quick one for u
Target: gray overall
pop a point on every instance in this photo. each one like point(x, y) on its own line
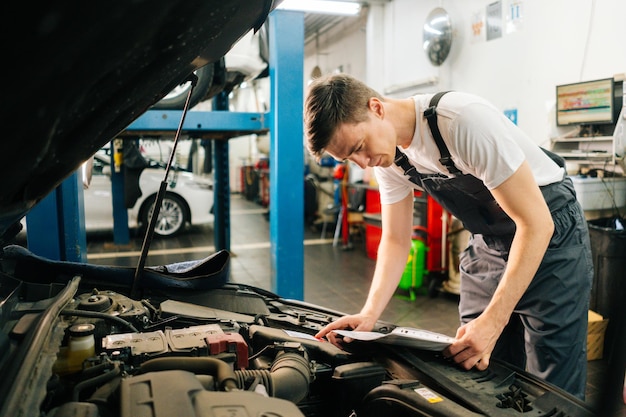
point(546, 334)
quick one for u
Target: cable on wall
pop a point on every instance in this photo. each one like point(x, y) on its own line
point(589, 29)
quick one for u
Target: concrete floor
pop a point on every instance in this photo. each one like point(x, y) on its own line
point(334, 277)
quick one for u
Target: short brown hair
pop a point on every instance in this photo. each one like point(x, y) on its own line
point(333, 100)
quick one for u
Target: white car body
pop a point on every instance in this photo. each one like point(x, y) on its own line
point(195, 191)
point(245, 57)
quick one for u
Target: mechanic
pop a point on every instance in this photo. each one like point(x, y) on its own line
point(527, 271)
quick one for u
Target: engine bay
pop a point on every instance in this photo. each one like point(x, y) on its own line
point(110, 355)
point(184, 361)
point(72, 348)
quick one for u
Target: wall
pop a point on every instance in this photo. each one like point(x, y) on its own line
point(342, 48)
point(245, 150)
point(554, 42)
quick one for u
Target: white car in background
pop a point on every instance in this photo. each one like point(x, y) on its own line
point(188, 199)
point(246, 61)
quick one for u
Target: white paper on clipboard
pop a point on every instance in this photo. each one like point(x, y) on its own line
point(403, 336)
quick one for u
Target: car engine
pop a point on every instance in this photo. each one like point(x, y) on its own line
point(124, 357)
point(183, 362)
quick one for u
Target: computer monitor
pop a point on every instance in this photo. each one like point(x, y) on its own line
point(585, 103)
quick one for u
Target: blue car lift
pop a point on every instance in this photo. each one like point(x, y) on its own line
point(55, 227)
point(284, 123)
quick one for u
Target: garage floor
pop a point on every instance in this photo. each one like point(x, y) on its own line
point(334, 277)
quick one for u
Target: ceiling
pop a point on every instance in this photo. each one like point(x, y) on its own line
point(317, 24)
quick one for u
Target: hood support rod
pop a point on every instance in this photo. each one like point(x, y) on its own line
point(193, 78)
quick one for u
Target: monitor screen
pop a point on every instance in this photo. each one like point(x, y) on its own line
point(585, 103)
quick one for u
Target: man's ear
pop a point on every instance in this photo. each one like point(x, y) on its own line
point(376, 106)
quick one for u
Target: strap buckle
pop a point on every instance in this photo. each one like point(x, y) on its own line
point(449, 163)
point(446, 160)
point(430, 112)
point(400, 157)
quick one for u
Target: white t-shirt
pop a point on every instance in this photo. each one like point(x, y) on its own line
point(481, 140)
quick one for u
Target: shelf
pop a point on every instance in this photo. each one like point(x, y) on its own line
point(587, 155)
point(374, 219)
point(583, 139)
point(587, 150)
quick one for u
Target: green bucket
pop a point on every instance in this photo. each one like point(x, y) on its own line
point(413, 275)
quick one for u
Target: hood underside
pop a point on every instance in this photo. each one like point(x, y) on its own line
point(80, 72)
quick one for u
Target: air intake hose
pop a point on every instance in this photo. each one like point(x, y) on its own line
point(288, 378)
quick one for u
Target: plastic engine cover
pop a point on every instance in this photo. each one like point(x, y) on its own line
point(410, 398)
point(180, 393)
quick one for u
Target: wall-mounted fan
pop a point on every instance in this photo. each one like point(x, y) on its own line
point(437, 36)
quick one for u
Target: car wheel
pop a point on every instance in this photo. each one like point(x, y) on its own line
point(172, 218)
point(175, 99)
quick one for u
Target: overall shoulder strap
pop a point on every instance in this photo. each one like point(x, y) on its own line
point(402, 161)
point(431, 116)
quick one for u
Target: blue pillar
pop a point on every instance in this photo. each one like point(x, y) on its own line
point(121, 234)
point(287, 153)
point(55, 228)
point(221, 184)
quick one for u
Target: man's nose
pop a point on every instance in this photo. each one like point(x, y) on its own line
point(360, 159)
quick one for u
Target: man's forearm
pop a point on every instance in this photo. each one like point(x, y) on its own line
point(526, 253)
point(389, 267)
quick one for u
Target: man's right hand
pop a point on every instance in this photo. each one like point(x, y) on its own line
point(358, 322)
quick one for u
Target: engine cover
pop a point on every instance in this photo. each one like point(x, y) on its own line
point(180, 393)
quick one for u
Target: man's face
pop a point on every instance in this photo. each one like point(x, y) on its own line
point(370, 143)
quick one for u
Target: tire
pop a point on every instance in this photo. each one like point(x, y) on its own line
point(173, 217)
point(219, 79)
point(175, 99)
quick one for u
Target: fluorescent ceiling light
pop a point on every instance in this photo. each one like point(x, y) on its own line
point(322, 6)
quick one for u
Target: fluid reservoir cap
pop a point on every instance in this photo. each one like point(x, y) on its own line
point(82, 329)
point(96, 302)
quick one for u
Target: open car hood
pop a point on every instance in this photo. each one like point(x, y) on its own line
point(80, 72)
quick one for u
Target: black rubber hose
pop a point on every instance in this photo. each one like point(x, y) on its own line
point(96, 381)
point(288, 378)
point(102, 394)
point(99, 315)
point(210, 366)
point(261, 376)
point(97, 369)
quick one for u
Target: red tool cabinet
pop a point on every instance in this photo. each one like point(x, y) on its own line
point(432, 216)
